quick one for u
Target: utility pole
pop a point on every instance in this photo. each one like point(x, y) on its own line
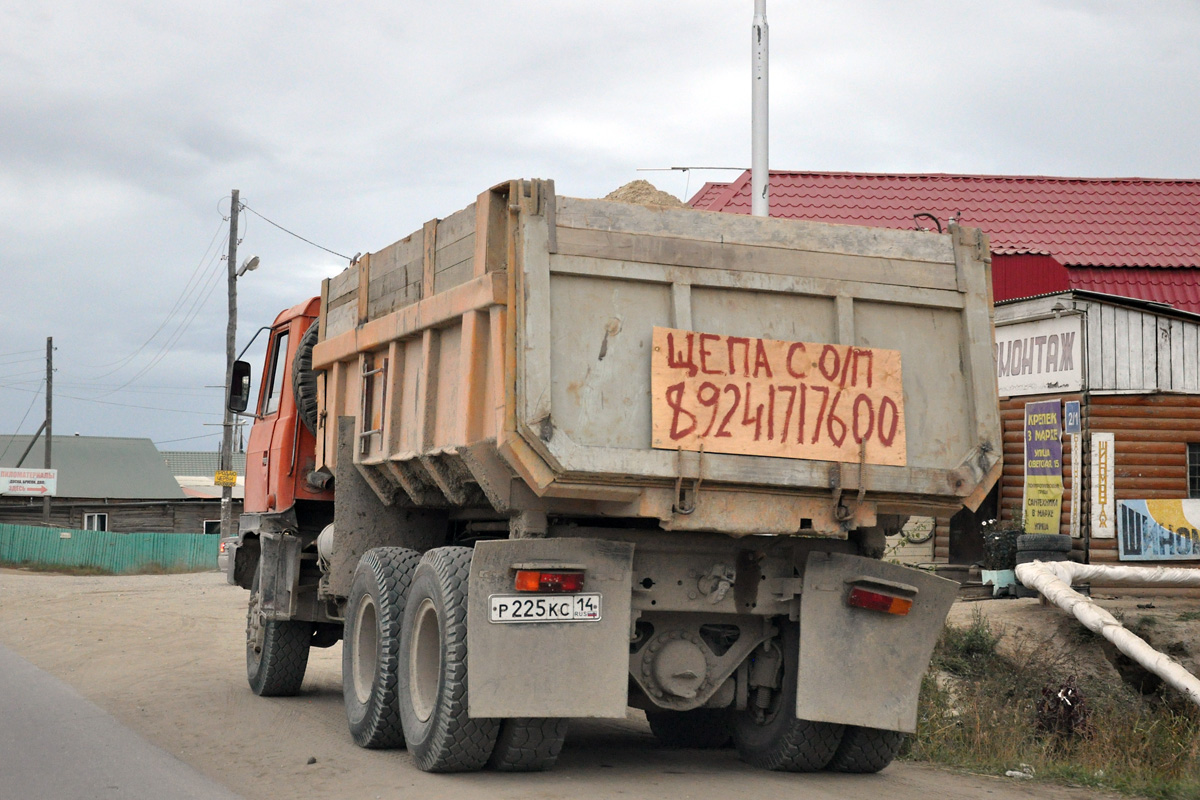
point(49, 418)
point(230, 351)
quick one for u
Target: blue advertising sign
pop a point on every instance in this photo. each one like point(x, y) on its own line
point(1158, 530)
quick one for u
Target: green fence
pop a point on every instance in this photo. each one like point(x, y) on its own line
point(110, 552)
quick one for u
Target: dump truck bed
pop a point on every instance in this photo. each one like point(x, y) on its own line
point(711, 371)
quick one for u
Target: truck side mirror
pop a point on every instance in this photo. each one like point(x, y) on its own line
point(239, 387)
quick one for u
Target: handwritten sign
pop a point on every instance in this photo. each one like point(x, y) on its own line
point(737, 394)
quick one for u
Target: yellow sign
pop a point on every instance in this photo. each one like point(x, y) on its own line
point(738, 394)
point(225, 478)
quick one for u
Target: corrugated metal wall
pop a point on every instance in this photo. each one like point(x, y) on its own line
point(111, 552)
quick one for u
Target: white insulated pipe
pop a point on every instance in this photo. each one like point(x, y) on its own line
point(760, 178)
point(1054, 579)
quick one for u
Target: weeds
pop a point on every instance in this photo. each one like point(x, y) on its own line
point(979, 710)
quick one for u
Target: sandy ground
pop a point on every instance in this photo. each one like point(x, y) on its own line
point(164, 654)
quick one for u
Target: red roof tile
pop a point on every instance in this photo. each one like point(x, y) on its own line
point(1093, 222)
point(1178, 288)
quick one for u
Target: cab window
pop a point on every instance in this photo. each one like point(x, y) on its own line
point(275, 377)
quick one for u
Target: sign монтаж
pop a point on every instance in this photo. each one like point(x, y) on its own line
point(1043, 466)
point(1039, 357)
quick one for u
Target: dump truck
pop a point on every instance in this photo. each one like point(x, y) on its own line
point(622, 456)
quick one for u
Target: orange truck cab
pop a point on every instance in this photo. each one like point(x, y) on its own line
point(284, 495)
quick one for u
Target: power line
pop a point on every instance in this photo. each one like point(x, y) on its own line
point(110, 403)
point(19, 424)
point(198, 303)
point(291, 233)
point(187, 438)
point(193, 285)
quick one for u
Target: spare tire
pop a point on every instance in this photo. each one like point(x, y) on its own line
point(1044, 541)
point(304, 380)
point(1029, 556)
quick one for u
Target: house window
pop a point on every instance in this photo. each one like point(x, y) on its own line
point(95, 522)
point(1193, 466)
point(212, 526)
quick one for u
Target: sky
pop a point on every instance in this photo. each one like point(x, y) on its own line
point(125, 125)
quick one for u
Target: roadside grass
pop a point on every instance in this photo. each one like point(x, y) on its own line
point(153, 568)
point(979, 711)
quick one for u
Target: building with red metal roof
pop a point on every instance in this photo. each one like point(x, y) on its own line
point(1132, 237)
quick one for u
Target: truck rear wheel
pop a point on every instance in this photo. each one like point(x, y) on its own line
point(440, 735)
point(528, 744)
point(371, 653)
point(700, 728)
point(773, 738)
point(276, 651)
point(866, 749)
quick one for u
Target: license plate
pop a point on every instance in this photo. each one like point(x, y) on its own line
point(544, 608)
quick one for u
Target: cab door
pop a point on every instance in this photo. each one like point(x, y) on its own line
point(262, 449)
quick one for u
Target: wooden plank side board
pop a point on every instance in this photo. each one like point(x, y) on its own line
point(342, 285)
point(340, 320)
point(754, 258)
point(479, 293)
point(455, 264)
point(604, 215)
point(456, 227)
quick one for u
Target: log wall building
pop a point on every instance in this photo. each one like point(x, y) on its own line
point(1139, 381)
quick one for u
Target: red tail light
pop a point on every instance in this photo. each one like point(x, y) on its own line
point(532, 580)
point(878, 601)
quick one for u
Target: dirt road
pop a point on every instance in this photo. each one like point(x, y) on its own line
point(164, 654)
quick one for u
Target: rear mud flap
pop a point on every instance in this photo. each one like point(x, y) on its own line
point(280, 576)
point(550, 669)
point(864, 667)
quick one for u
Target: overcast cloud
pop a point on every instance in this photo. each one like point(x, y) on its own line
point(123, 126)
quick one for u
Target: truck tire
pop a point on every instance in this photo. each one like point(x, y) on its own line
point(698, 729)
point(276, 651)
point(1028, 556)
point(1054, 542)
point(304, 380)
point(440, 735)
point(779, 740)
point(371, 652)
point(528, 744)
point(866, 750)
